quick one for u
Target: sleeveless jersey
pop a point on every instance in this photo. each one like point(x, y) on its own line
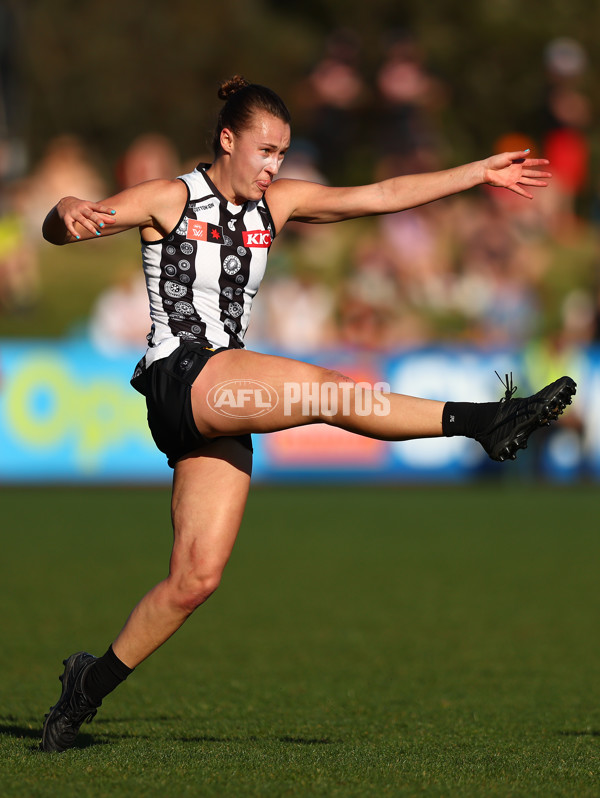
point(202, 278)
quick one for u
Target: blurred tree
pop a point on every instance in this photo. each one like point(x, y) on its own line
point(11, 96)
point(489, 54)
point(110, 75)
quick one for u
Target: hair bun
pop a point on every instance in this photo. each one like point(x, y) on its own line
point(232, 86)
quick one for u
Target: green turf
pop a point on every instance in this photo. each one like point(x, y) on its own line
point(364, 642)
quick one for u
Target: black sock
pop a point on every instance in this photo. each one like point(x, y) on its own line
point(467, 418)
point(104, 675)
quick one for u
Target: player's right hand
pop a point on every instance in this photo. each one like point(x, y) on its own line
point(91, 216)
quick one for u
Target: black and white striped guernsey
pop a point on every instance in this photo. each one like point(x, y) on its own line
point(202, 278)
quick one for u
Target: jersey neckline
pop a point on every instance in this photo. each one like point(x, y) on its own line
point(202, 168)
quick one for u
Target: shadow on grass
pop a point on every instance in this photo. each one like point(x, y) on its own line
point(9, 728)
point(83, 741)
point(581, 733)
point(137, 719)
point(307, 740)
point(206, 738)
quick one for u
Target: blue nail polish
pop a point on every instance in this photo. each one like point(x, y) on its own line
point(97, 232)
point(527, 150)
point(78, 237)
point(113, 212)
point(101, 224)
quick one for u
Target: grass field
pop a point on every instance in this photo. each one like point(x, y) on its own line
point(364, 642)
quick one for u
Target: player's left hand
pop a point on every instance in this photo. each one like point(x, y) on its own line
point(514, 170)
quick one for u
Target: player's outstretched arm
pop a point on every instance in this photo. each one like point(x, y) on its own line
point(152, 204)
point(311, 202)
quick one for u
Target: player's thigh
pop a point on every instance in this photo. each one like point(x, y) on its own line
point(210, 488)
point(242, 381)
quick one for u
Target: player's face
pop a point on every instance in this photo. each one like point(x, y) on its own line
point(256, 155)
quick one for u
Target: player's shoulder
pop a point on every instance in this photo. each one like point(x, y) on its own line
point(285, 187)
point(301, 200)
point(162, 192)
point(161, 186)
point(288, 185)
point(284, 193)
point(175, 185)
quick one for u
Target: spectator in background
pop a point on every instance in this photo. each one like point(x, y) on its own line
point(409, 96)
point(546, 356)
point(493, 289)
point(149, 157)
point(373, 310)
point(566, 139)
point(19, 273)
point(24, 203)
point(120, 319)
point(19, 270)
point(65, 165)
point(419, 248)
point(331, 101)
point(295, 310)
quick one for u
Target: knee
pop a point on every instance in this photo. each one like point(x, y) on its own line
point(190, 590)
point(336, 378)
point(334, 395)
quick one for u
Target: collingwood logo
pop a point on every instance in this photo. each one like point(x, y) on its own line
point(232, 265)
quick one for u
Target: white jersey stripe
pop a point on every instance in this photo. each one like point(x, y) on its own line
point(202, 278)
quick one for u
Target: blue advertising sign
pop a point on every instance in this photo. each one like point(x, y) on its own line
point(68, 413)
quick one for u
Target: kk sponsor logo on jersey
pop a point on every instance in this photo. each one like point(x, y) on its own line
point(257, 238)
point(204, 231)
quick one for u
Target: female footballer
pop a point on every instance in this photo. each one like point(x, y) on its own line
point(205, 240)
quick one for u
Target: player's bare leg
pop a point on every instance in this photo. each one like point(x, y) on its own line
point(308, 394)
point(392, 417)
point(209, 496)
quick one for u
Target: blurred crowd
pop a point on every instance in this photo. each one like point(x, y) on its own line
point(486, 267)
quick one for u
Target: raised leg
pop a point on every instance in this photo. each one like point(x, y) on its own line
point(305, 394)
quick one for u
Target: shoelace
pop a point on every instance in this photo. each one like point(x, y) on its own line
point(510, 389)
point(77, 717)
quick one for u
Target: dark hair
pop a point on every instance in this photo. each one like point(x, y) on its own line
point(242, 100)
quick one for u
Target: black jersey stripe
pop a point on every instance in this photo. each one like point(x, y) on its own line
point(235, 272)
point(205, 293)
point(265, 213)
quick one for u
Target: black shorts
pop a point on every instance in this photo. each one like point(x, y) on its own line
point(166, 384)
